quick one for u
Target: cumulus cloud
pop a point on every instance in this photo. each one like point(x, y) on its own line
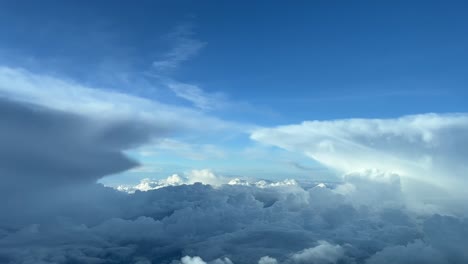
point(192, 260)
point(323, 253)
point(203, 176)
point(267, 260)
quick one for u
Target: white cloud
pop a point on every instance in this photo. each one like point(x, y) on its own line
point(68, 96)
point(185, 47)
point(198, 260)
point(192, 260)
point(267, 260)
point(197, 96)
point(428, 149)
point(323, 253)
point(205, 176)
point(148, 184)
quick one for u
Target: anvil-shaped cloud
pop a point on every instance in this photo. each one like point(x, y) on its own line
point(427, 149)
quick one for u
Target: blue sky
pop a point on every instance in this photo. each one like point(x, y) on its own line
point(255, 64)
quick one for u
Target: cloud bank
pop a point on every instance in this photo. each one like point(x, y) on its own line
point(235, 223)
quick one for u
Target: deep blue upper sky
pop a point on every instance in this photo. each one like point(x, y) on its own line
point(307, 60)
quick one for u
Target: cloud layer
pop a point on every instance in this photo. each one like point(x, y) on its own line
point(283, 223)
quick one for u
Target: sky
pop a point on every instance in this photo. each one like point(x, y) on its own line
point(256, 64)
point(339, 126)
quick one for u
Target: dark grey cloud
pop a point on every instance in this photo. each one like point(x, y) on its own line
point(46, 156)
point(45, 147)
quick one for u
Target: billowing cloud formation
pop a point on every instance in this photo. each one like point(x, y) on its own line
point(204, 176)
point(428, 149)
point(244, 224)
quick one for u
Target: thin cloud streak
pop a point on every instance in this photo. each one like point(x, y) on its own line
point(185, 47)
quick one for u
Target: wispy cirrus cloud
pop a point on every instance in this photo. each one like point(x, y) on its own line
point(198, 97)
point(69, 96)
point(184, 48)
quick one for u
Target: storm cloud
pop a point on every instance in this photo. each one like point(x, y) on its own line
point(48, 155)
point(428, 150)
point(45, 147)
